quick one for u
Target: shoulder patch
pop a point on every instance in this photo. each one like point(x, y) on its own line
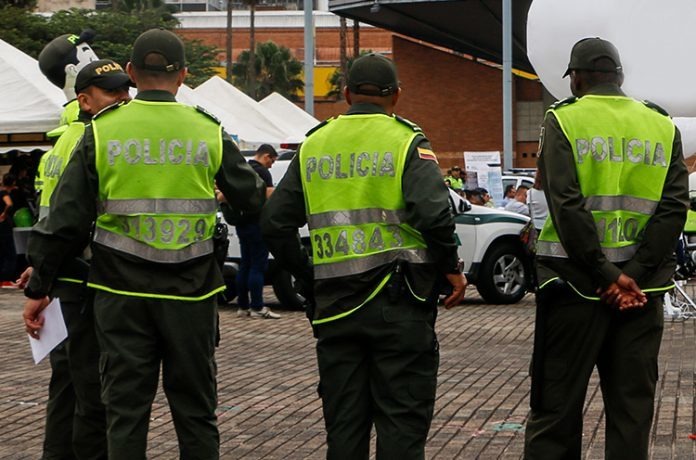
point(108, 108)
point(655, 107)
point(202, 110)
point(319, 126)
point(427, 154)
point(408, 123)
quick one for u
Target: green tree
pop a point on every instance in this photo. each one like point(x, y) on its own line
point(26, 31)
point(276, 70)
point(116, 32)
point(26, 4)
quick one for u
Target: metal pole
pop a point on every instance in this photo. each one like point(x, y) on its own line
point(507, 84)
point(309, 56)
point(228, 42)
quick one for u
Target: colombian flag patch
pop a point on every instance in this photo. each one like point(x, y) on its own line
point(425, 154)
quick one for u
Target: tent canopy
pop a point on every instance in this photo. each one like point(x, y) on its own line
point(469, 26)
point(241, 116)
point(30, 103)
point(294, 120)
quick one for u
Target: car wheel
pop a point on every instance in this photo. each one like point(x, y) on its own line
point(502, 278)
point(229, 274)
point(288, 291)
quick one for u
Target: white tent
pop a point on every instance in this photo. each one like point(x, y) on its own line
point(296, 120)
point(29, 102)
point(242, 116)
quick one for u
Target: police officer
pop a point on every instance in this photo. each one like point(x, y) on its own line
point(150, 165)
point(371, 191)
point(616, 185)
point(75, 419)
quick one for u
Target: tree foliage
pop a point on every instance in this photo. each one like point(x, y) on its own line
point(276, 70)
point(116, 32)
point(26, 4)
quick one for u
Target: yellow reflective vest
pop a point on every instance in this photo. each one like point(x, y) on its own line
point(622, 150)
point(156, 180)
point(351, 171)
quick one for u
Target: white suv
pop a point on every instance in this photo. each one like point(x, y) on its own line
point(494, 258)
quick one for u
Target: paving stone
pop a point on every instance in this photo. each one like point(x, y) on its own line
point(267, 377)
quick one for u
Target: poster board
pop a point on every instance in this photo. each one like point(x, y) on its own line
point(482, 169)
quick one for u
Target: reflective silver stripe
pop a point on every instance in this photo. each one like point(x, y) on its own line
point(620, 203)
point(142, 250)
point(363, 264)
point(551, 249)
point(159, 206)
point(44, 211)
point(355, 217)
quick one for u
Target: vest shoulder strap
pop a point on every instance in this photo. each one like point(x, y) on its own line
point(408, 123)
point(319, 126)
point(108, 108)
point(655, 107)
point(563, 102)
point(205, 112)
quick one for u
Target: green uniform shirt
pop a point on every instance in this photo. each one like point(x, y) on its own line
point(587, 268)
point(73, 209)
point(426, 211)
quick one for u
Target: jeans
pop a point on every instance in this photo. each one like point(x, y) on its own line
point(253, 266)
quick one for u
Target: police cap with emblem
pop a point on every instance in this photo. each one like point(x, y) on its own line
point(587, 54)
point(373, 75)
point(104, 73)
point(161, 42)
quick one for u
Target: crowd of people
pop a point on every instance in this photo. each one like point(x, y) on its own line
point(17, 209)
point(523, 200)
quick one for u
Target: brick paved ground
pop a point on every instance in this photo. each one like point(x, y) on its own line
point(268, 406)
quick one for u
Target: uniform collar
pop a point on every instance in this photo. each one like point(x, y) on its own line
point(606, 89)
point(365, 108)
point(156, 95)
point(83, 116)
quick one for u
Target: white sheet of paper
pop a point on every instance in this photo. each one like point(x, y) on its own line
point(51, 334)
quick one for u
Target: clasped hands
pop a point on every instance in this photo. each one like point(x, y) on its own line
point(623, 294)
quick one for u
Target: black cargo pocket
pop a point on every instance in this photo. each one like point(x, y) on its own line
point(554, 392)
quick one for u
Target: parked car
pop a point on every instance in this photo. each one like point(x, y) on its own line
point(517, 180)
point(494, 258)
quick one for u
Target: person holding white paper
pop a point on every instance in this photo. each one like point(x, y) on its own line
point(75, 417)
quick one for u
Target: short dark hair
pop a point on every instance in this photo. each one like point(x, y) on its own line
point(266, 148)
point(594, 78)
point(508, 188)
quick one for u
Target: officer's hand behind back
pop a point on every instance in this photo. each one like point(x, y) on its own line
point(458, 282)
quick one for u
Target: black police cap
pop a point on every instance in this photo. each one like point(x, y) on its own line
point(103, 73)
point(373, 75)
point(159, 41)
point(587, 53)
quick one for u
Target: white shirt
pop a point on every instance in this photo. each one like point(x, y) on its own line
point(538, 208)
point(516, 206)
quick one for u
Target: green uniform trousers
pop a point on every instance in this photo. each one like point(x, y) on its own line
point(379, 365)
point(136, 335)
point(75, 419)
point(578, 334)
